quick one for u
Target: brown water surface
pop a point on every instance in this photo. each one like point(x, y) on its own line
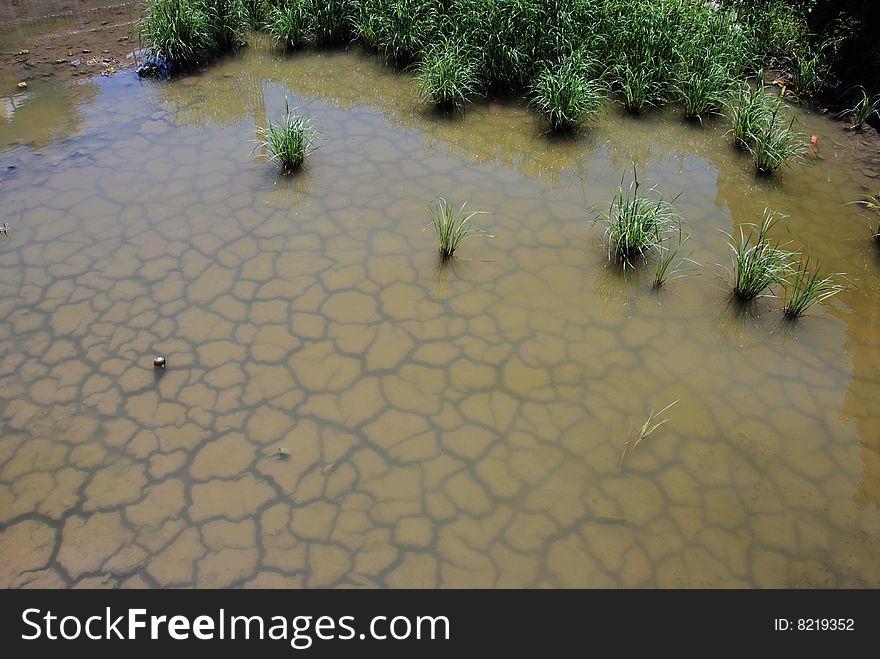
point(456, 426)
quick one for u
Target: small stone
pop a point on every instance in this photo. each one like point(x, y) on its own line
point(159, 361)
point(22, 85)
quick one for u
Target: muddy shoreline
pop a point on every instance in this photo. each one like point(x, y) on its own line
point(58, 41)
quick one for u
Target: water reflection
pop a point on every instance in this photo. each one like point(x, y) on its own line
point(36, 119)
point(456, 426)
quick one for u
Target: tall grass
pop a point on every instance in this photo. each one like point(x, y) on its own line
point(287, 142)
point(761, 264)
point(807, 287)
point(635, 225)
point(453, 226)
point(447, 75)
point(566, 94)
point(288, 23)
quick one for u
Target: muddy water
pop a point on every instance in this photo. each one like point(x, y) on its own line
point(453, 426)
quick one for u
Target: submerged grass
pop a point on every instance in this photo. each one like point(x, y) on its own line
point(808, 287)
point(289, 141)
point(647, 429)
point(761, 264)
point(453, 226)
point(565, 94)
point(635, 225)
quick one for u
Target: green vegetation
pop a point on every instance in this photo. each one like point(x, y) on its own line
point(635, 225)
point(330, 21)
point(809, 68)
point(227, 20)
point(287, 142)
point(255, 12)
point(288, 24)
point(702, 92)
point(865, 108)
point(565, 94)
point(447, 75)
point(807, 287)
point(453, 226)
point(670, 264)
point(759, 265)
point(749, 112)
point(777, 145)
point(400, 29)
point(872, 203)
point(179, 31)
point(760, 124)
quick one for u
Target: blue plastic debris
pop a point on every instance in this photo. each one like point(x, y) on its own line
point(154, 66)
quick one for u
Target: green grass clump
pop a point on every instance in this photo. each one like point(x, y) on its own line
point(453, 226)
point(330, 21)
point(255, 12)
point(635, 225)
point(190, 33)
point(288, 24)
point(702, 91)
point(807, 287)
point(289, 141)
point(758, 265)
point(865, 108)
point(400, 29)
point(447, 75)
point(759, 124)
point(565, 94)
point(749, 112)
point(228, 21)
point(809, 68)
point(775, 143)
point(640, 86)
point(180, 32)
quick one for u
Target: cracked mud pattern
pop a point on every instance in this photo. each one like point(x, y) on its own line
point(443, 426)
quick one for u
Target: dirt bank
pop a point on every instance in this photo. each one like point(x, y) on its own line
point(65, 39)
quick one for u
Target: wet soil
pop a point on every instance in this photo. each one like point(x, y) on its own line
point(64, 40)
